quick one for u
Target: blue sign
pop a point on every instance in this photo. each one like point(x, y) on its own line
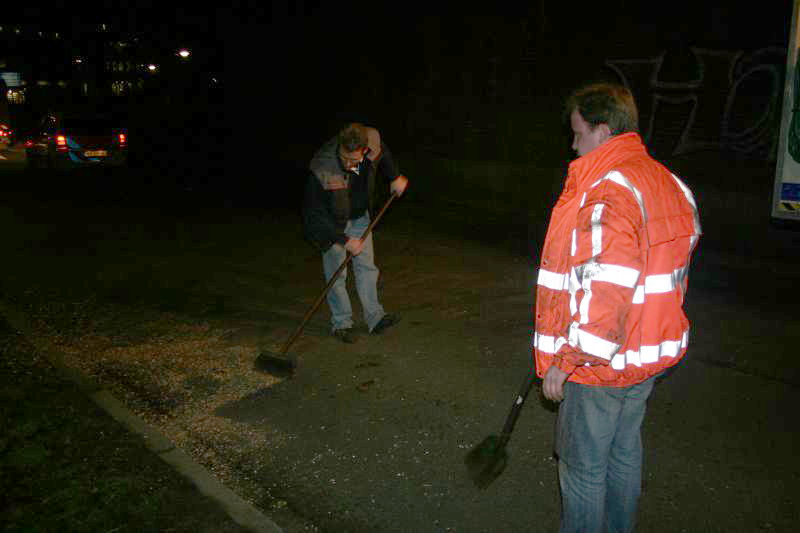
point(790, 192)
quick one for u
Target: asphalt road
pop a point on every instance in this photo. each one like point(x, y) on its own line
point(371, 437)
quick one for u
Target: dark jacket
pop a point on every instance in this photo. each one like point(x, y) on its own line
point(333, 196)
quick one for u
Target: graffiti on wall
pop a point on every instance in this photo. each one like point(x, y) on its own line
point(730, 101)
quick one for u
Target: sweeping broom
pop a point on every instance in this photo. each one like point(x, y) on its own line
point(487, 460)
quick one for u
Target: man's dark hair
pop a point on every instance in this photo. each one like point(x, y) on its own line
point(605, 103)
point(353, 137)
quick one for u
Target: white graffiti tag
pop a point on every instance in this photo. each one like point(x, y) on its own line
point(731, 102)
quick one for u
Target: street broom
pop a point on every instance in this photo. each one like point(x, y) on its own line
point(278, 363)
point(487, 460)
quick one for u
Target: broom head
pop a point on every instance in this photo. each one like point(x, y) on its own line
point(276, 364)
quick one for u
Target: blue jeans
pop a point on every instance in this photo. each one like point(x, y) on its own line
point(599, 447)
point(366, 274)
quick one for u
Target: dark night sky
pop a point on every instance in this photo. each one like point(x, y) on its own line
point(310, 63)
point(288, 32)
point(260, 38)
point(291, 68)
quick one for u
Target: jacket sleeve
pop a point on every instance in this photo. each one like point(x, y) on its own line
point(318, 222)
point(387, 165)
point(607, 264)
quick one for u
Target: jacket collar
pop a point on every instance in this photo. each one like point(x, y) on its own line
point(605, 157)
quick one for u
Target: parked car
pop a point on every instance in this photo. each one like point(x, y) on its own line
point(6, 135)
point(74, 141)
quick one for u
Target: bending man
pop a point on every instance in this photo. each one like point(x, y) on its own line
point(336, 214)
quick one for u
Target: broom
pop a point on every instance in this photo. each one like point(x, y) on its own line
point(487, 460)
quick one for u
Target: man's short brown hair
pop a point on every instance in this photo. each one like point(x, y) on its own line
point(353, 137)
point(605, 103)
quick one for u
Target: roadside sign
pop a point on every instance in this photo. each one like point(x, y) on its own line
point(786, 193)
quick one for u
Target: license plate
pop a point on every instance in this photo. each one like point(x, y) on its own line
point(95, 153)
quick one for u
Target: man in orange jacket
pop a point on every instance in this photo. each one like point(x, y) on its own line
point(609, 317)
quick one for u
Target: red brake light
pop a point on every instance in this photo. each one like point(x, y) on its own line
point(28, 143)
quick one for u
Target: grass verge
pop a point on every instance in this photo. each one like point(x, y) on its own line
point(66, 465)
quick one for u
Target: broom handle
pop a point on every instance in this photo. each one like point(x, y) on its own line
point(333, 279)
point(511, 420)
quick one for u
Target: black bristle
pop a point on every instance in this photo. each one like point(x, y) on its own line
point(276, 366)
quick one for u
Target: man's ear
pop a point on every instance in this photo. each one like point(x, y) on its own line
point(605, 132)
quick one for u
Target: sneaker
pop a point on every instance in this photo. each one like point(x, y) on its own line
point(345, 335)
point(385, 323)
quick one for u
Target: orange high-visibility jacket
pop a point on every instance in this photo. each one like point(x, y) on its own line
point(614, 268)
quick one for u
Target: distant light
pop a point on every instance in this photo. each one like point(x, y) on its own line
point(152, 68)
point(16, 96)
point(78, 60)
point(184, 53)
point(12, 79)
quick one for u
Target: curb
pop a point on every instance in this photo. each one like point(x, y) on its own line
point(240, 511)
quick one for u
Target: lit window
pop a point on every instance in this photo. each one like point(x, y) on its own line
point(118, 88)
point(16, 96)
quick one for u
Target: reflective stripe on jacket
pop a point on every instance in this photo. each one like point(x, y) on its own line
point(614, 268)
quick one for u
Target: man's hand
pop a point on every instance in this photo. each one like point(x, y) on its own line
point(398, 185)
point(553, 386)
point(353, 246)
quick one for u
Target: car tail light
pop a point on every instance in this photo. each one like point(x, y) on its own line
point(61, 143)
point(28, 143)
point(123, 139)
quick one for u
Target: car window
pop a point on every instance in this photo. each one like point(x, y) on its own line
point(87, 126)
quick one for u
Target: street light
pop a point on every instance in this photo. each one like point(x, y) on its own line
point(184, 53)
point(152, 67)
